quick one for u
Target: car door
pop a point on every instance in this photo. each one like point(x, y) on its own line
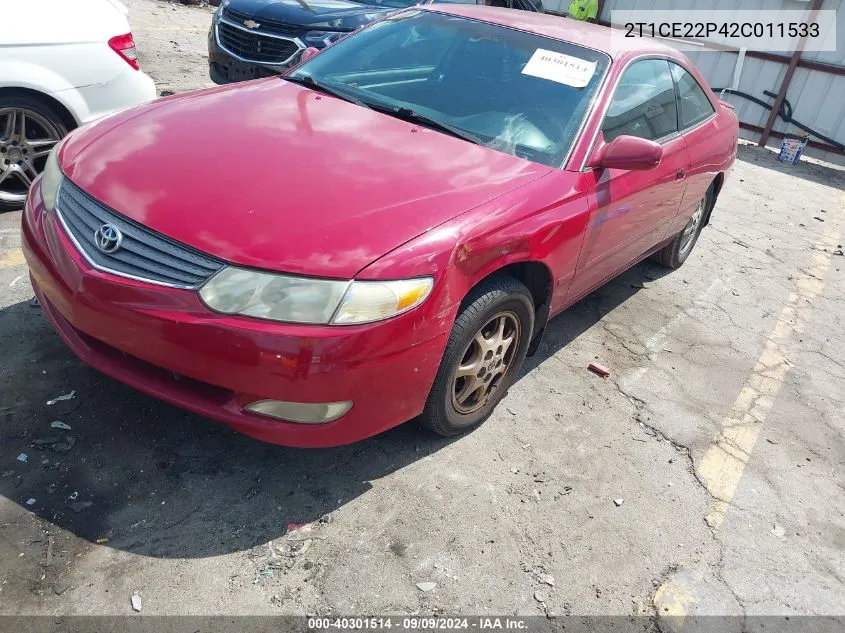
point(632, 210)
point(699, 127)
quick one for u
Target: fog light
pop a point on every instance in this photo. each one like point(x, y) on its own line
point(303, 412)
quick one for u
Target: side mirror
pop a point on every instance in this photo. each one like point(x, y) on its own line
point(627, 152)
point(308, 53)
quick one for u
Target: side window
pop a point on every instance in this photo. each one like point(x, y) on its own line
point(694, 104)
point(643, 103)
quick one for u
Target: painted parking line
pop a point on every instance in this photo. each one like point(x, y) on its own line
point(12, 258)
point(724, 462)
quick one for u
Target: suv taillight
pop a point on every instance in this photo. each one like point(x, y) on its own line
point(124, 46)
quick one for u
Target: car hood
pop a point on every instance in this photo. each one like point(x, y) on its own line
point(271, 175)
point(332, 15)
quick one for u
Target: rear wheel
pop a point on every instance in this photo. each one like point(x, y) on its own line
point(28, 131)
point(482, 358)
point(674, 254)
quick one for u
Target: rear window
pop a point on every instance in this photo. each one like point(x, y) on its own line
point(693, 102)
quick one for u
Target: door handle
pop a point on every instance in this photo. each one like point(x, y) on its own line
point(681, 174)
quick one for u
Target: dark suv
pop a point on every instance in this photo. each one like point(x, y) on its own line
point(257, 38)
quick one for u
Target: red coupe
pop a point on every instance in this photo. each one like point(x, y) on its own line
point(382, 234)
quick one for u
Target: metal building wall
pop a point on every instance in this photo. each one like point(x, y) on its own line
point(817, 97)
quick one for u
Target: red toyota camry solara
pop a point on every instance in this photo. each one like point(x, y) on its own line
point(380, 235)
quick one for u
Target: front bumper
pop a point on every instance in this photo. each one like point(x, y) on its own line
point(164, 342)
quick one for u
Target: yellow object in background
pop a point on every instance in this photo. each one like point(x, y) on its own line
point(583, 9)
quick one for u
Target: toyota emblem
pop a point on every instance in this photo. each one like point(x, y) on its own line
point(107, 238)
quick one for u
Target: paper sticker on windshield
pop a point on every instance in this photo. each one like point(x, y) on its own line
point(564, 69)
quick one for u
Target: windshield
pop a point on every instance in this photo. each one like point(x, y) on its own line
point(511, 91)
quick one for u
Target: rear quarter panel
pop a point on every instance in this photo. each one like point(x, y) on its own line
point(54, 22)
point(54, 45)
point(50, 69)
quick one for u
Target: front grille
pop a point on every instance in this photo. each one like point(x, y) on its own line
point(265, 25)
point(255, 46)
point(143, 254)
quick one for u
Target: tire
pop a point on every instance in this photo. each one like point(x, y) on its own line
point(675, 253)
point(35, 128)
point(495, 310)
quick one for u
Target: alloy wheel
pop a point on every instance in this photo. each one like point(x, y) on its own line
point(691, 229)
point(26, 138)
point(485, 362)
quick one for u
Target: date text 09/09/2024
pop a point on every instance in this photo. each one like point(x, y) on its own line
point(724, 29)
point(414, 623)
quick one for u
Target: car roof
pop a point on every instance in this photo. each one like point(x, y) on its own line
point(558, 27)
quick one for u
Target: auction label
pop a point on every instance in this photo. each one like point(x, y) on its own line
point(418, 623)
point(564, 69)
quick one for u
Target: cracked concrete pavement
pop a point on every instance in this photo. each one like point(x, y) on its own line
point(720, 429)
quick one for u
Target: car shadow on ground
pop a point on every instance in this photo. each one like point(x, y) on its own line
point(161, 482)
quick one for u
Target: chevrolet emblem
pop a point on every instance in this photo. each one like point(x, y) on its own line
point(251, 24)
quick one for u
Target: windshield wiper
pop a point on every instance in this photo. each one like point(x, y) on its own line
point(309, 82)
point(406, 114)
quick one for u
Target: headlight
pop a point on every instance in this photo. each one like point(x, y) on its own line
point(51, 177)
point(321, 39)
point(367, 301)
point(316, 301)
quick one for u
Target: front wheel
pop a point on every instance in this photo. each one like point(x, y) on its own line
point(482, 358)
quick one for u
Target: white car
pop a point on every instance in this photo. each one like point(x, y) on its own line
point(63, 63)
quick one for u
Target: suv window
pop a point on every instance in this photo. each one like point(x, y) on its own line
point(643, 104)
point(694, 104)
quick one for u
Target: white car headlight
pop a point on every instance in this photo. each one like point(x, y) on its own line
point(50, 178)
point(316, 301)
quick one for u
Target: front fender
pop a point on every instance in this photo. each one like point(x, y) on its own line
point(542, 222)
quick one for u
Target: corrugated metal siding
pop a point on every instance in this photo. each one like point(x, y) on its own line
point(757, 75)
point(818, 101)
point(838, 56)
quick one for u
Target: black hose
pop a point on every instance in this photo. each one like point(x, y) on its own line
point(784, 113)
